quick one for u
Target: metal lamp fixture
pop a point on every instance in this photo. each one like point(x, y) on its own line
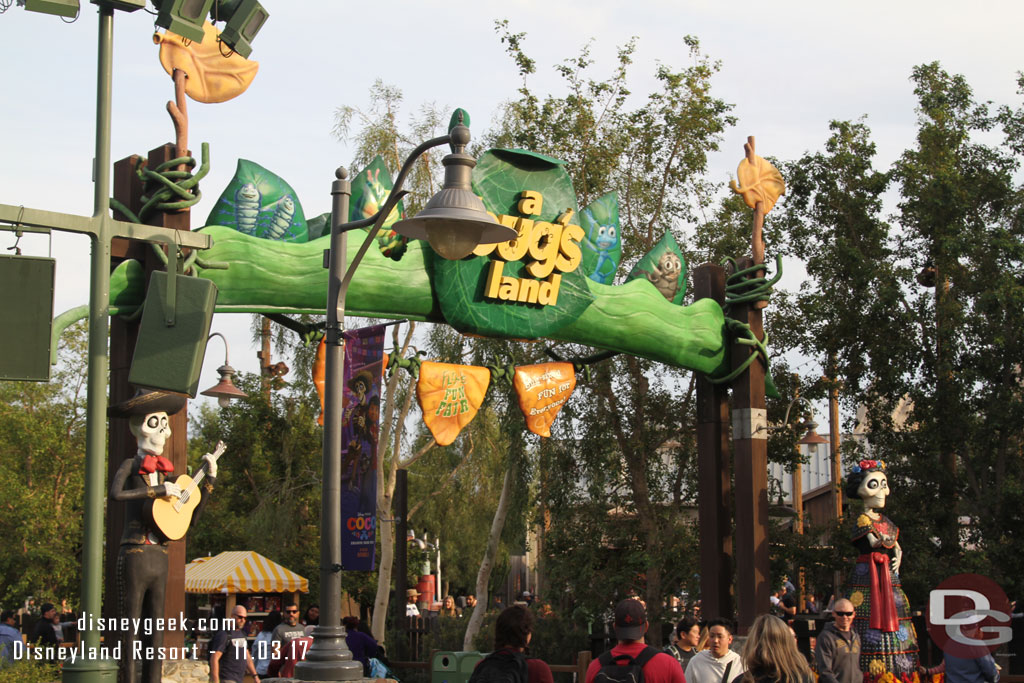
point(812, 439)
point(225, 389)
point(455, 221)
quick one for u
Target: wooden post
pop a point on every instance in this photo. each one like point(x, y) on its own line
point(128, 190)
point(714, 471)
point(750, 460)
point(750, 447)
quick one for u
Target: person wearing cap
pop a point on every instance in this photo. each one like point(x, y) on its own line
point(411, 610)
point(142, 558)
point(717, 664)
point(48, 631)
point(630, 626)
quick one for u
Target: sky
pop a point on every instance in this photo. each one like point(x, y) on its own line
point(788, 69)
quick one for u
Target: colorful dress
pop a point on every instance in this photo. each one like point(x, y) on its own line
point(882, 614)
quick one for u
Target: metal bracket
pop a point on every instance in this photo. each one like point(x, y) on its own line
point(750, 423)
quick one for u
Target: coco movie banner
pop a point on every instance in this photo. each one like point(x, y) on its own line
point(360, 429)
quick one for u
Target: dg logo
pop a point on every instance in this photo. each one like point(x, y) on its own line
point(964, 616)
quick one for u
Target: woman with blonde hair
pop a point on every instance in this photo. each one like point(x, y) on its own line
point(770, 654)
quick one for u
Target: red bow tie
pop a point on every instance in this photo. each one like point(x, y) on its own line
point(152, 463)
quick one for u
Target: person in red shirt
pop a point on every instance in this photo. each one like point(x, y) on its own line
point(630, 626)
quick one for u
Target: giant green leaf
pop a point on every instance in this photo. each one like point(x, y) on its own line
point(370, 190)
point(499, 178)
point(258, 202)
point(602, 243)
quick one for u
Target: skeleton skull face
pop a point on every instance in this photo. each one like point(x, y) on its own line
point(874, 490)
point(151, 431)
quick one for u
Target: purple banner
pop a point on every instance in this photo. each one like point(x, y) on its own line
point(360, 428)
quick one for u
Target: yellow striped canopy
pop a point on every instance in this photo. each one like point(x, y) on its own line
point(241, 571)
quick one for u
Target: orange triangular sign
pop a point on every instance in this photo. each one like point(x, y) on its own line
point(543, 390)
point(449, 397)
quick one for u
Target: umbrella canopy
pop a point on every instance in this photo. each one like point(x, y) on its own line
point(241, 571)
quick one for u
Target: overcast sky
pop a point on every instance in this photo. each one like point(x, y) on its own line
point(788, 69)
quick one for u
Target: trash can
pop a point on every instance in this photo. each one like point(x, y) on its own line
point(453, 667)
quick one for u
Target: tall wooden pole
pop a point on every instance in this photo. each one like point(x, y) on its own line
point(750, 447)
point(123, 334)
point(714, 470)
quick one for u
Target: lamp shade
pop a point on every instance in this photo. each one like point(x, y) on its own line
point(225, 389)
point(455, 221)
point(812, 437)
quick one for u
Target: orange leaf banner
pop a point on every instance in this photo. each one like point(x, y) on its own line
point(449, 396)
point(543, 390)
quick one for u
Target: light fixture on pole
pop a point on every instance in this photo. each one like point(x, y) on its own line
point(812, 439)
point(455, 221)
point(454, 224)
point(225, 389)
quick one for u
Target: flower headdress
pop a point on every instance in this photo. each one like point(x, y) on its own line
point(867, 465)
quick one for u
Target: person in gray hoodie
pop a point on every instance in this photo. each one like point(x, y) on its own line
point(718, 664)
point(837, 655)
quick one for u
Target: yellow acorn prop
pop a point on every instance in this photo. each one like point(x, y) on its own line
point(212, 77)
point(449, 396)
point(543, 390)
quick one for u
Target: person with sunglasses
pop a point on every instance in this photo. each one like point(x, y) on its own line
point(837, 654)
point(288, 628)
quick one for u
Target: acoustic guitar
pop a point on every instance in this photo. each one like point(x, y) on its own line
point(172, 516)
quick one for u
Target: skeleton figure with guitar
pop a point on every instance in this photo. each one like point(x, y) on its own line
point(158, 509)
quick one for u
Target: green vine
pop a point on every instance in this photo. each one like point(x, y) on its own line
point(741, 288)
point(166, 188)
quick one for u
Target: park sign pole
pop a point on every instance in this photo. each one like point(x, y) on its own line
point(102, 229)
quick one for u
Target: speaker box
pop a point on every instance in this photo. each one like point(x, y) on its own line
point(26, 309)
point(169, 357)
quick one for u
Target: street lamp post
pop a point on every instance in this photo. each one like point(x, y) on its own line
point(454, 222)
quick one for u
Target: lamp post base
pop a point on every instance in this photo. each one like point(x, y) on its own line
point(329, 658)
point(89, 671)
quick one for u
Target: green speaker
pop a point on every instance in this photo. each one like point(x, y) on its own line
point(26, 309)
point(60, 8)
point(172, 333)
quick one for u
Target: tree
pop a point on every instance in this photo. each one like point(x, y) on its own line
point(960, 210)
point(629, 431)
point(42, 449)
point(920, 320)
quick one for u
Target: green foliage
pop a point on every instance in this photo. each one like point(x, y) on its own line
point(267, 496)
point(30, 671)
point(614, 473)
point(919, 319)
point(42, 454)
point(380, 135)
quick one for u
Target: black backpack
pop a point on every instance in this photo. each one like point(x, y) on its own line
point(503, 666)
point(630, 672)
